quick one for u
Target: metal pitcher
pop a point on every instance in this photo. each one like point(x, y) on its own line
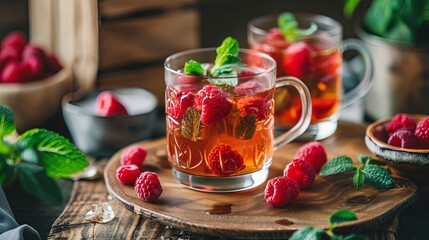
point(401, 78)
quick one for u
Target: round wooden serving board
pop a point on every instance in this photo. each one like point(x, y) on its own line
point(246, 214)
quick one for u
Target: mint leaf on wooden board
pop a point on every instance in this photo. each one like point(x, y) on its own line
point(59, 157)
point(34, 180)
point(337, 165)
point(7, 118)
point(191, 124)
point(377, 176)
point(358, 179)
point(193, 67)
point(246, 127)
point(307, 233)
point(341, 216)
point(365, 160)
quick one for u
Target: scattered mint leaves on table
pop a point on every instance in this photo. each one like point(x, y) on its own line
point(340, 216)
point(370, 172)
point(37, 156)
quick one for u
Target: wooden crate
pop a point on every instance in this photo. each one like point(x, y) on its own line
point(147, 39)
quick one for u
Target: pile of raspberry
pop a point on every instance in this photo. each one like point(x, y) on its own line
point(405, 131)
point(21, 61)
point(297, 175)
point(146, 184)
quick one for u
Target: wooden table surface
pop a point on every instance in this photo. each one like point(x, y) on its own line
point(411, 223)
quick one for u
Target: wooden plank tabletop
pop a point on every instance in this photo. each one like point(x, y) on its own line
point(128, 225)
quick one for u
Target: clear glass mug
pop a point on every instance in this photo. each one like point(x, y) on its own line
point(220, 138)
point(318, 66)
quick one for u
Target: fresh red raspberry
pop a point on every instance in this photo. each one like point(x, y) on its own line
point(301, 172)
point(273, 34)
point(16, 40)
point(148, 187)
point(224, 161)
point(280, 191)
point(179, 103)
point(133, 154)
point(9, 55)
point(35, 66)
point(297, 60)
point(401, 121)
point(15, 72)
point(314, 153)
point(248, 87)
point(422, 132)
point(404, 138)
point(33, 50)
point(127, 174)
point(254, 105)
point(107, 105)
point(52, 62)
point(212, 104)
point(187, 79)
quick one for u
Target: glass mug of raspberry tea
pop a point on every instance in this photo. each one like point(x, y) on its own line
point(220, 116)
point(309, 47)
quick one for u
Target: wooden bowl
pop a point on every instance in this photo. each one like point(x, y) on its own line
point(34, 102)
point(407, 162)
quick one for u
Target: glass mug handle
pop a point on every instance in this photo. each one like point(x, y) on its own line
point(366, 82)
point(305, 119)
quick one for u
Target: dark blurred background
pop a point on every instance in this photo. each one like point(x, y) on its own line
point(136, 36)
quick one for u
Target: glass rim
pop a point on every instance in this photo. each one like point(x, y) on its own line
point(212, 49)
point(336, 26)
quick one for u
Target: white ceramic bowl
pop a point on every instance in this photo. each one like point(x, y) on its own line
point(34, 102)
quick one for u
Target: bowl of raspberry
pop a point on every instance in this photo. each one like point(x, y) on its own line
point(402, 142)
point(103, 121)
point(32, 81)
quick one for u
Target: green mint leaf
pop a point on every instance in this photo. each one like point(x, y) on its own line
point(191, 124)
point(193, 67)
point(377, 177)
point(227, 52)
point(379, 17)
point(288, 26)
point(358, 178)
point(400, 32)
point(350, 7)
point(7, 118)
point(364, 159)
point(225, 75)
point(355, 237)
point(30, 155)
point(6, 171)
point(341, 216)
point(59, 157)
point(246, 127)
point(337, 165)
point(34, 180)
point(411, 12)
point(307, 233)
